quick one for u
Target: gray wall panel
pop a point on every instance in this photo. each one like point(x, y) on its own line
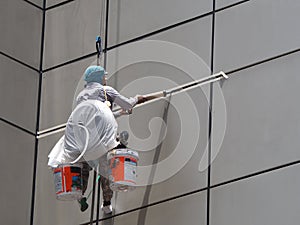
point(149, 77)
point(254, 31)
point(263, 124)
point(154, 65)
point(21, 31)
point(59, 87)
point(195, 36)
point(190, 209)
point(146, 77)
point(272, 198)
point(132, 18)
point(71, 31)
point(19, 90)
point(16, 168)
point(48, 210)
point(223, 3)
point(37, 2)
point(54, 2)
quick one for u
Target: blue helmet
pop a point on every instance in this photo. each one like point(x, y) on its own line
point(94, 74)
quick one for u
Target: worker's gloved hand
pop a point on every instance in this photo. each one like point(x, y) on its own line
point(141, 99)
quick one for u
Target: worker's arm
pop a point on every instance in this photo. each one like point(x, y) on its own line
point(122, 101)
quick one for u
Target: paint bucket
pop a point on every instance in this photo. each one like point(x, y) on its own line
point(68, 182)
point(123, 169)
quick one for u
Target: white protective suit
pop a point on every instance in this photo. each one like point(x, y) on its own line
point(91, 128)
point(101, 126)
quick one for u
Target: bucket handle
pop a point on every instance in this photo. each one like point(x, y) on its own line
point(86, 143)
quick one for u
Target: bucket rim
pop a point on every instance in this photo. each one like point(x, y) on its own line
point(122, 152)
point(69, 164)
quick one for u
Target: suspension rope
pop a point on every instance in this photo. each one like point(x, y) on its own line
point(101, 29)
point(99, 46)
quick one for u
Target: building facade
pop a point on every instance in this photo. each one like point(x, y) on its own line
point(236, 141)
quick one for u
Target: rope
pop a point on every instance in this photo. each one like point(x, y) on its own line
point(102, 18)
point(99, 46)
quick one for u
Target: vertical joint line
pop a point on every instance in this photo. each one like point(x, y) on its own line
point(38, 116)
point(210, 115)
point(106, 33)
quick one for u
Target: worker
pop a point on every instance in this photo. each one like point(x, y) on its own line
point(93, 112)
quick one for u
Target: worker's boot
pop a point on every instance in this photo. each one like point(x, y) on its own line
point(83, 204)
point(106, 207)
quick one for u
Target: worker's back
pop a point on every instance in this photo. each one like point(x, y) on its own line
point(101, 125)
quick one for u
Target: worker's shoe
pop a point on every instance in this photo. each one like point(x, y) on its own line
point(83, 204)
point(107, 209)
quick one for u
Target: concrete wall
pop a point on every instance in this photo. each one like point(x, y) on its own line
point(250, 135)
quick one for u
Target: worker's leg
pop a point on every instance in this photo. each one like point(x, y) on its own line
point(106, 191)
point(103, 167)
point(85, 176)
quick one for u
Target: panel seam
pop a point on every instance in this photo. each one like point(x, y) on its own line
point(19, 61)
point(210, 122)
point(38, 116)
point(17, 126)
point(263, 61)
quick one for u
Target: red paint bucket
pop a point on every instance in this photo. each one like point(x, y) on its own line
point(123, 169)
point(68, 182)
